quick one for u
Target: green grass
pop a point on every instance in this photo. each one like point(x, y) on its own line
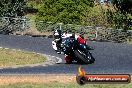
point(9, 57)
point(66, 85)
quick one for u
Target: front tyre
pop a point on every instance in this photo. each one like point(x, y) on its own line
point(80, 56)
point(86, 58)
point(90, 57)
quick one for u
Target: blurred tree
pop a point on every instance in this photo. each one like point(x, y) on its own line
point(121, 16)
point(66, 11)
point(12, 8)
point(124, 6)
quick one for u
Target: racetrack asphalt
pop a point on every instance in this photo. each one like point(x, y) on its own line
point(110, 57)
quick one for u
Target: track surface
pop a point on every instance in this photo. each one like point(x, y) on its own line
point(110, 57)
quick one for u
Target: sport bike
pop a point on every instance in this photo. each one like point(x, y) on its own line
point(77, 51)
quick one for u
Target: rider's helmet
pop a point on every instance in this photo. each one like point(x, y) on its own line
point(57, 35)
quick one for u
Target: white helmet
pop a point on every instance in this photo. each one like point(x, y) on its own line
point(57, 35)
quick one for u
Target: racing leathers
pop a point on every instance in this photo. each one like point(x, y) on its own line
point(58, 45)
point(60, 49)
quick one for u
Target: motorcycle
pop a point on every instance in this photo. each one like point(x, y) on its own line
point(77, 51)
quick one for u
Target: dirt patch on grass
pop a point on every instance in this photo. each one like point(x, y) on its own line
point(41, 78)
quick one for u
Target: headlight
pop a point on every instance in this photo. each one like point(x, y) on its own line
point(84, 47)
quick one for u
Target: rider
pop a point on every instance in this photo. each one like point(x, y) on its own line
point(58, 38)
point(56, 43)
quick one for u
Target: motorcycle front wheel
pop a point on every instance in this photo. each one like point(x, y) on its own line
point(86, 58)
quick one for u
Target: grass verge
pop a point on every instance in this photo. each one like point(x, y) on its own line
point(10, 57)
